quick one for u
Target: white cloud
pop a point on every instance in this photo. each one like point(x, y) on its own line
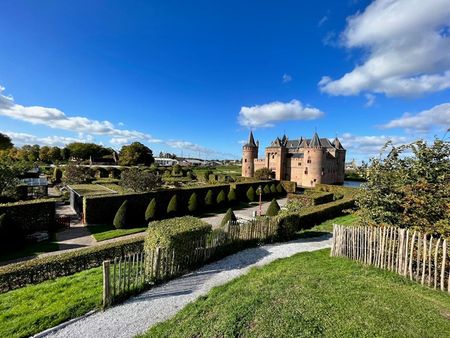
point(370, 100)
point(407, 44)
point(264, 115)
point(20, 139)
point(322, 21)
point(54, 118)
point(438, 116)
point(286, 78)
point(369, 145)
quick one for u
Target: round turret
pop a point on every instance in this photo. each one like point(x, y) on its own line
point(249, 154)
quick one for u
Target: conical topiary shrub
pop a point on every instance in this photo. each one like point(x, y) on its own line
point(229, 216)
point(172, 207)
point(209, 200)
point(251, 194)
point(232, 198)
point(221, 198)
point(279, 188)
point(266, 190)
point(193, 203)
point(273, 209)
point(273, 188)
point(121, 216)
point(150, 212)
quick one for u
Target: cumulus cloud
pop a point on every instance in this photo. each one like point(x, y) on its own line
point(438, 116)
point(55, 118)
point(20, 139)
point(264, 115)
point(369, 145)
point(407, 43)
point(286, 78)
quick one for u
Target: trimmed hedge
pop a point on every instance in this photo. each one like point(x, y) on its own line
point(120, 220)
point(17, 275)
point(97, 209)
point(30, 216)
point(150, 212)
point(273, 208)
point(312, 197)
point(229, 216)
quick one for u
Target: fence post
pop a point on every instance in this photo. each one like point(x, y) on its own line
point(106, 284)
point(444, 256)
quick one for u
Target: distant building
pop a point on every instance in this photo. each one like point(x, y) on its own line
point(305, 161)
point(165, 161)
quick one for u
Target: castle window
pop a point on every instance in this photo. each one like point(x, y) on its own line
point(245, 160)
point(306, 171)
point(299, 164)
point(273, 156)
point(309, 160)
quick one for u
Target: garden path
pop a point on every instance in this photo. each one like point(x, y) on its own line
point(138, 313)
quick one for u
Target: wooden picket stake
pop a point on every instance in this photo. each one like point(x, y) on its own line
point(419, 242)
point(429, 261)
point(106, 284)
point(424, 258)
point(411, 252)
point(436, 262)
point(444, 257)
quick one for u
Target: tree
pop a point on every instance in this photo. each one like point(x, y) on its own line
point(193, 203)
point(54, 154)
point(263, 174)
point(139, 181)
point(150, 212)
point(409, 188)
point(273, 208)
point(232, 196)
point(75, 174)
point(209, 200)
point(172, 207)
point(221, 198)
point(5, 142)
point(8, 180)
point(134, 154)
point(84, 151)
point(228, 217)
point(251, 194)
point(119, 221)
point(44, 154)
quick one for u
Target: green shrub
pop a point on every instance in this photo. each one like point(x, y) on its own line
point(279, 188)
point(209, 199)
point(266, 190)
point(40, 269)
point(221, 198)
point(150, 212)
point(273, 188)
point(273, 208)
point(232, 196)
point(120, 220)
point(193, 203)
point(180, 234)
point(229, 216)
point(172, 207)
point(57, 175)
point(251, 194)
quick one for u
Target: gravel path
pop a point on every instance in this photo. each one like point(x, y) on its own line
point(137, 314)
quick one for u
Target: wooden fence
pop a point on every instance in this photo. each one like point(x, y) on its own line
point(130, 274)
point(412, 254)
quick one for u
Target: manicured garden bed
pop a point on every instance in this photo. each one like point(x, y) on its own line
point(104, 232)
point(311, 295)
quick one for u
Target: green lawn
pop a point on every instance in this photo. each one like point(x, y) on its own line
point(32, 309)
point(104, 232)
point(314, 295)
point(91, 189)
point(327, 226)
point(32, 250)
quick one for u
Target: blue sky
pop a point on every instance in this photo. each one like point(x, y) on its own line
point(196, 76)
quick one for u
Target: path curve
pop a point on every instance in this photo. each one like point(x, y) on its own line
point(138, 313)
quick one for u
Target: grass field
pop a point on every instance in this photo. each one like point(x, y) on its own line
point(32, 309)
point(104, 232)
point(91, 189)
point(314, 295)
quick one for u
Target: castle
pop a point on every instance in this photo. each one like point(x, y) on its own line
point(305, 161)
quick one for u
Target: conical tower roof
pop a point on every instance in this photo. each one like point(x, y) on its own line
point(337, 144)
point(251, 141)
point(315, 141)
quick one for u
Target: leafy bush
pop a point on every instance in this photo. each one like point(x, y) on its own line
point(139, 181)
point(266, 190)
point(150, 212)
point(57, 175)
point(193, 203)
point(172, 207)
point(221, 198)
point(37, 270)
point(232, 196)
point(75, 174)
point(279, 188)
point(273, 208)
point(251, 194)
point(273, 188)
point(120, 220)
point(263, 174)
point(229, 216)
point(209, 199)
point(134, 154)
point(312, 197)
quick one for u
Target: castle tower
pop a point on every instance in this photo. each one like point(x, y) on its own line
point(249, 154)
point(340, 160)
point(314, 155)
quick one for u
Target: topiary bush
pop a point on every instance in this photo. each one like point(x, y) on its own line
point(280, 188)
point(251, 194)
point(273, 208)
point(266, 190)
point(273, 188)
point(229, 216)
point(57, 175)
point(232, 198)
point(172, 207)
point(221, 198)
point(121, 215)
point(209, 199)
point(193, 203)
point(150, 212)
